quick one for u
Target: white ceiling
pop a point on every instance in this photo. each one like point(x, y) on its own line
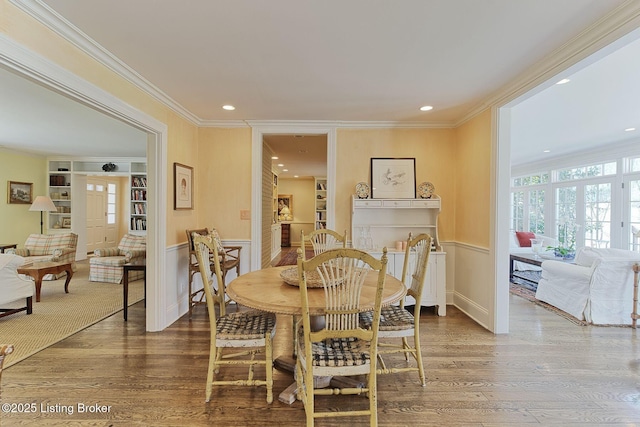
point(361, 60)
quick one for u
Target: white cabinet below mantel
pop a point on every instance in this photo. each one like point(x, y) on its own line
point(385, 222)
point(434, 292)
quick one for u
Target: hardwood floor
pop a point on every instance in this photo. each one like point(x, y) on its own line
point(546, 371)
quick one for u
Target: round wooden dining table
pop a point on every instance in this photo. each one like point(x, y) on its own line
point(266, 290)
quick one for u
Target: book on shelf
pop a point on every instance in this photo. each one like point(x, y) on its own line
point(139, 181)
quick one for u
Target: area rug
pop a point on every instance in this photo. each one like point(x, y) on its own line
point(530, 295)
point(291, 257)
point(59, 315)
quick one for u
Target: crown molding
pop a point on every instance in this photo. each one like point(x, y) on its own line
point(52, 20)
point(609, 152)
point(611, 27)
point(605, 31)
point(339, 124)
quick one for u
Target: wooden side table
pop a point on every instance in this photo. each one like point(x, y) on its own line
point(286, 235)
point(125, 284)
point(38, 270)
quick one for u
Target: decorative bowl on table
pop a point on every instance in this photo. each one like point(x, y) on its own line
point(290, 277)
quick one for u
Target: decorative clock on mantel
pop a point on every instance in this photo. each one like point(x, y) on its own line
point(362, 190)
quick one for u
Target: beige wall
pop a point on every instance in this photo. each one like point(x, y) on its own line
point(223, 180)
point(472, 189)
point(435, 153)
point(17, 221)
point(303, 191)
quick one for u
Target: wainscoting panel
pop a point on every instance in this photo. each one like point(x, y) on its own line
point(177, 271)
point(474, 290)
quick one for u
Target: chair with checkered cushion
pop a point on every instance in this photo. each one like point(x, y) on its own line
point(341, 347)
point(229, 260)
point(5, 350)
point(324, 239)
point(396, 321)
point(106, 263)
point(250, 331)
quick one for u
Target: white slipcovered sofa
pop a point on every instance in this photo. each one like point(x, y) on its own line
point(13, 287)
point(516, 248)
point(598, 288)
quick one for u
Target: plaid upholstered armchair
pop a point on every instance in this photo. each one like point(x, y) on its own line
point(106, 264)
point(49, 247)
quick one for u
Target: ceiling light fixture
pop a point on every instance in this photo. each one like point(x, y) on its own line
point(563, 81)
point(228, 107)
point(285, 170)
point(426, 108)
point(296, 176)
point(629, 129)
point(546, 151)
point(280, 164)
point(274, 157)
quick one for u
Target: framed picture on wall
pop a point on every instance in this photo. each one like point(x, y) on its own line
point(182, 187)
point(66, 222)
point(393, 178)
point(285, 207)
point(20, 192)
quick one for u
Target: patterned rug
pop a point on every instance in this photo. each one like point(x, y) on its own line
point(291, 257)
point(529, 295)
point(59, 315)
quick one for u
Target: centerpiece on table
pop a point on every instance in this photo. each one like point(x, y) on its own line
point(566, 247)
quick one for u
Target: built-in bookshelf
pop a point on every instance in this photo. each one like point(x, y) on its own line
point(66, 179)
point(275, 196)
point(320, 202)
point(138, 213)
point(60, 193)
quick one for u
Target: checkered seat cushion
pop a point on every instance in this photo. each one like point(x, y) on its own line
point(337, 352)
point(392, 318)
point(245, 325)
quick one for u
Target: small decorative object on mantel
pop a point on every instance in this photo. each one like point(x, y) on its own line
point(426, 190)
point(109, 167)
point(362, 190)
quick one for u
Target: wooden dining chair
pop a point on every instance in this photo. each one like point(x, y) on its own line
point(229, 260)
point(396, 321)
point(341, 347)
point(323, 239)
point(251, 331)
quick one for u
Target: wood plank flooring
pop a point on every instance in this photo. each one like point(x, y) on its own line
point(546, 371)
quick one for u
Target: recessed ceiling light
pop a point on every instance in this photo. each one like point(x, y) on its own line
point(563, 81)
point(426, 108)
point(281, 164)
point(274, 157)
point(546, 151)
point(629, 129)
point(295, 176)
point(228, 107)
point(285, 170)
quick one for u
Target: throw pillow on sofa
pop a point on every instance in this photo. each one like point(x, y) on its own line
point(524, 238)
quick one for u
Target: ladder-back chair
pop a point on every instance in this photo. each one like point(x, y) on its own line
point(251, 332)
point(5, 350)
point(342, 347)
point(396, 321)
point(229, 260)
point(323, 239)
